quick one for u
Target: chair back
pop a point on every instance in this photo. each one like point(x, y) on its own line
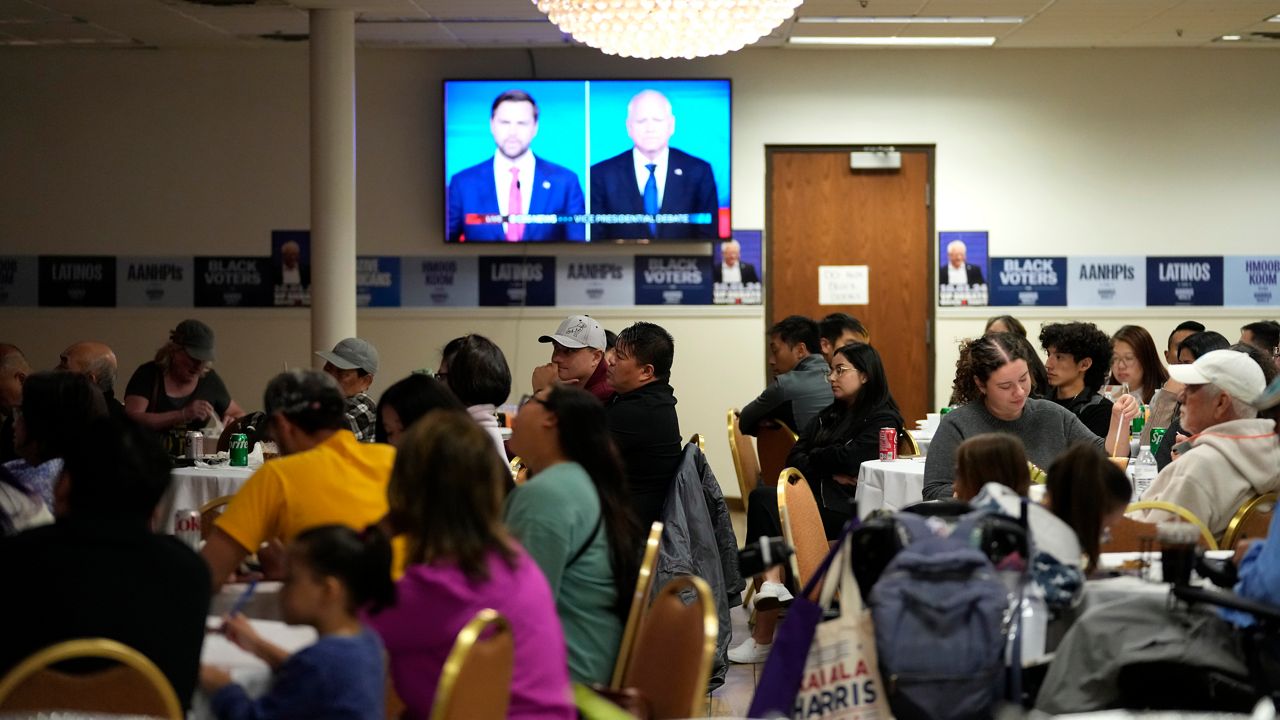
point(746, 464)
point(132, 686)
point(639, 602)
point(1129, 535)
point(774, 443)
point(519, 471)
point(696, 439)
point(476, 681)
point(1251, 521)
point(907, 445)
point(671, 662)
point(210, 511)
point(801, 524)
point(1182, 513)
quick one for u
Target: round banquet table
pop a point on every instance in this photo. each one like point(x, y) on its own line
point(246, 669)
point(192, 487)
point(889, 484)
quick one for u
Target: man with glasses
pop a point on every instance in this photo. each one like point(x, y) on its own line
point(1233, 454)
point(578, 349)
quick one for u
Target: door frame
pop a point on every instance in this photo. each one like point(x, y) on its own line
point(931, 192)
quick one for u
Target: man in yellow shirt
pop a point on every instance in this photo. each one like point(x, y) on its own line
point(326, 476)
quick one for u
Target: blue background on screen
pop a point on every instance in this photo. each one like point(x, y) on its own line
point(562, 121)
point(701, 109)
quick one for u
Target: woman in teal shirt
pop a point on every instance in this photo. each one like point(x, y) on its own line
point(572, 518)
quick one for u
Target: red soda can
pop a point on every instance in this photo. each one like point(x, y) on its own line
point(186, 527)
point(888, 443)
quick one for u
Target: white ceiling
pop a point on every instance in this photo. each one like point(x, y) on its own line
point(517, 23)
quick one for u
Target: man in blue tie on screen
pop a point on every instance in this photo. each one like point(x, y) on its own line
point(514, 182)
point(653, 179)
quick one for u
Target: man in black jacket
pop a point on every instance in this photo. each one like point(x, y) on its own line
point(642, 416)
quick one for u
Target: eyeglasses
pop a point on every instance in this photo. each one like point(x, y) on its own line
point(839, 370)
point(532, 398)
point(1125, 360)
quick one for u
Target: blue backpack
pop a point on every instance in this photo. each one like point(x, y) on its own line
point(942, 617)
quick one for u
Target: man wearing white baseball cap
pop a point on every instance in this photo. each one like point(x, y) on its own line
point(577, 357)
point(1234, 455)
point(353, 362)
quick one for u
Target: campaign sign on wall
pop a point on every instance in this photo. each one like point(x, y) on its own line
point(673, 280)
point(962, 268)
point(154, 281)
point(595, 281)
point(77, 281)
point(291, 268)
point(1251, 281)
point(1106, 281)
point(233, 282)
point(509, 280)
point(744, 258)
point(18, 280)
point(1028, 281)
point(451, 281)
point(1184, 281)
point(378, 281)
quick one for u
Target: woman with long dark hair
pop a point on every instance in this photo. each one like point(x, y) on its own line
point(573, 518)
point(445, 497)
point(829, 453)
point(1135, 362)
point(993, 383)
point(1088, 493)
point(407, 400)
point(476, 370)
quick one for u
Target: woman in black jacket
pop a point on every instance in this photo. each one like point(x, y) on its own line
point(829, 453)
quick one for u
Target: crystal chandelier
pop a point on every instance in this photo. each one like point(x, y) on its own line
point(667, 28)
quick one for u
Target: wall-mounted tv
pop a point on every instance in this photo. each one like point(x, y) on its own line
point(586, 160)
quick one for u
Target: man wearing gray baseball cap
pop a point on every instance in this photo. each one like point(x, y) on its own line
point(577, 358)
point(353, 362)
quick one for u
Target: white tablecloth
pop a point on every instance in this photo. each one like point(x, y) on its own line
point(891, 485)
point(923, 438)
point(246, 669)
point(264, 604)
point(194, 486)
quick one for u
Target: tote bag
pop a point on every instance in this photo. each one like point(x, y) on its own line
point(825, 670)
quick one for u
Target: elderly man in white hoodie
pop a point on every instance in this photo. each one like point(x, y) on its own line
point(1234, 455)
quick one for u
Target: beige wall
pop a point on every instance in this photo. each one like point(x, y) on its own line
point(198, 152)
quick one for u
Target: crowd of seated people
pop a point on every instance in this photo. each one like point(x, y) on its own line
point(392, 523)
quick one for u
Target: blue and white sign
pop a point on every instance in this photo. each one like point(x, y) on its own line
point(511, 280)
point(18, 280)
point(155, 281)
point(1184, 281)
point(1252, 281)
point(378, 282)
point(1107, 281)
point(77, 281)
point(1029, 281)
point(673, 280)
point(599, 281)
point(449, 281)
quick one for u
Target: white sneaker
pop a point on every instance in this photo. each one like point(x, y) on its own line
point(749, 652)
point(772, 596)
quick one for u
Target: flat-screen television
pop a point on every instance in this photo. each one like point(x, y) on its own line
point(586, 160)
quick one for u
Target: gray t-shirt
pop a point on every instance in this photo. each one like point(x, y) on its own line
point(1045, 428)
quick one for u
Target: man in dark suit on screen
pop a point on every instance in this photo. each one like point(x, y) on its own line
point(652, 179)
point(957, 271)
point(513, 183)
point(731, 269)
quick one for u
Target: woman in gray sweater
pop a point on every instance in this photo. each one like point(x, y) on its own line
point(993, 383)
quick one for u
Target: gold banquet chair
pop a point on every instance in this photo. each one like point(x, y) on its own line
point(210, 511)
point(1251, 521)
point(132, 686)
point(671, 662)
point(907, 445)
point(1179, 511)
point(696, 439)
point(773, 444)
point(745, 462)
point(519, 471)
point(639, 603)
point(476, 681)
point(801, 525)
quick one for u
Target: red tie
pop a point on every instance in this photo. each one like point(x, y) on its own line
point(515, 206)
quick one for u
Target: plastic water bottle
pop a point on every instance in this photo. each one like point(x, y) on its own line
point(1144, 471)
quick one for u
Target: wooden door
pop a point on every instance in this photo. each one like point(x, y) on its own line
point(820, 212)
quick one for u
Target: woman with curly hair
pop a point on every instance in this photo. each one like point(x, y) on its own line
point(1079, 355)
point(993, 381)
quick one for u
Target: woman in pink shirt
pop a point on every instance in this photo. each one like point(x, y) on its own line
point(445, 496)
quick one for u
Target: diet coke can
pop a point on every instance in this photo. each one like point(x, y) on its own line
point(186, 527)
point(888, 443)
point(195, 445)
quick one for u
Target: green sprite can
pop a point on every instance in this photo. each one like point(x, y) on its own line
point(239, 450)
point(1157, 434)
point(945, 410)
